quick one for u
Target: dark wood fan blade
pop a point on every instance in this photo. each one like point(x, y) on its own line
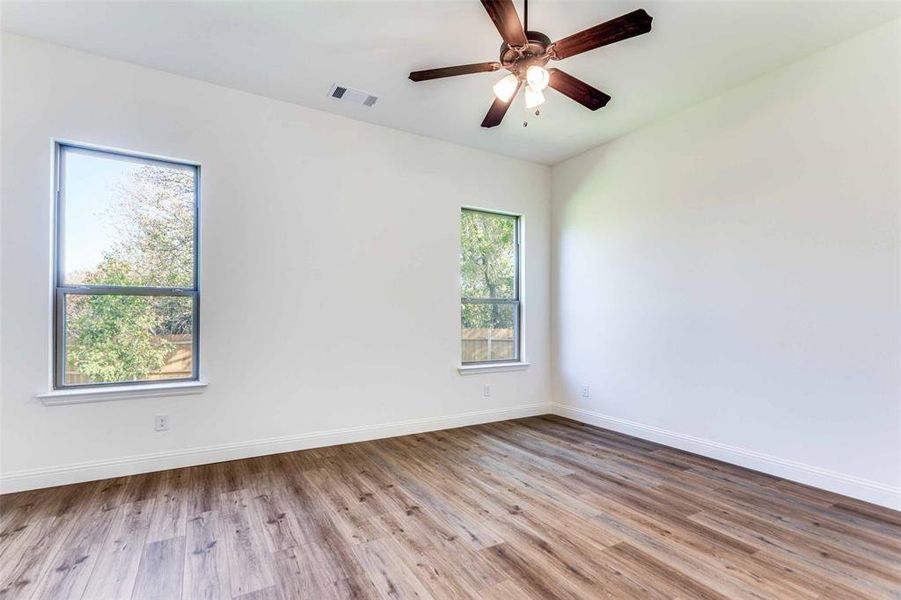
point(589, 97)
point(453, 71)
point(503, 13)
point(614, 30)
point(498, 110)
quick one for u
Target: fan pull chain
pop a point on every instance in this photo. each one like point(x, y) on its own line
point(525, 122)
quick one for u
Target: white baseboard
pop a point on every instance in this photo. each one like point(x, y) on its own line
point(840, 483)
point(855, 487)
point(159, 461)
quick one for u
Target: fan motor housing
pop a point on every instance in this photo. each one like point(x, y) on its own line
point(517, 60)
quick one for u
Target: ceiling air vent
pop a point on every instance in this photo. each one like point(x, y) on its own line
point(352, 96)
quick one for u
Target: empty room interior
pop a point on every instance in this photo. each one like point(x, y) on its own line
point(489, 299)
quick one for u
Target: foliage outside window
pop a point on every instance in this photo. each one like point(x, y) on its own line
point(490, 300)
point(126, 269)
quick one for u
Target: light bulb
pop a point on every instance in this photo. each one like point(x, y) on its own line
point(537, 77)
point(534, 98)
point(506, 87)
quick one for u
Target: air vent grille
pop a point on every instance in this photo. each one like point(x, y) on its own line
point(352, 96)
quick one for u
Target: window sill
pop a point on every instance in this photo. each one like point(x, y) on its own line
point(121, 392)
point(492, 368)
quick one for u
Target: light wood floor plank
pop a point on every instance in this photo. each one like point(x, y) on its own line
point(206, 574)
point(114, 573)
point(161, 570)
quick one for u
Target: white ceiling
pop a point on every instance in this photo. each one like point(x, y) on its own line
point(294, 51)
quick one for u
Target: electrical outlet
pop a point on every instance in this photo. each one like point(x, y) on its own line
point(486, 390)
point(586, 391)
point(161, 423)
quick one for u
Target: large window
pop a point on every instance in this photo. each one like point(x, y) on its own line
point(490, 302)
point(126, 301)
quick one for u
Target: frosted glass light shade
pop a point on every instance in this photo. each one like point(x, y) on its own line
point(506, 87)
point(534, 98)
point(537, 77)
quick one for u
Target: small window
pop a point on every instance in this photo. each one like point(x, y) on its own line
point(490, 297)
point(126, 301)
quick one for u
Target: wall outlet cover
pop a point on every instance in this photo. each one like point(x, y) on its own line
point(161, 423)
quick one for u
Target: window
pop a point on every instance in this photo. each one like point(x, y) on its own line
point(490, 302)
point(126, 296)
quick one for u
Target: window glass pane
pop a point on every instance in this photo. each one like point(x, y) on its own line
point(489, 332)
point(126, 221)
point(488, 255)
point(117, 338)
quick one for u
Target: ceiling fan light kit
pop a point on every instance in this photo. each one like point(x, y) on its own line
point(525, 55)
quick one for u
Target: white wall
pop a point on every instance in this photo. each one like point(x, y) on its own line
point(329, 272)
point(728, 280)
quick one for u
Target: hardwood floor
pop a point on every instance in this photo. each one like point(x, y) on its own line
point(535, 508)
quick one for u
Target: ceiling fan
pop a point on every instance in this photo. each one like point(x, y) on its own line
point(525, 53)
